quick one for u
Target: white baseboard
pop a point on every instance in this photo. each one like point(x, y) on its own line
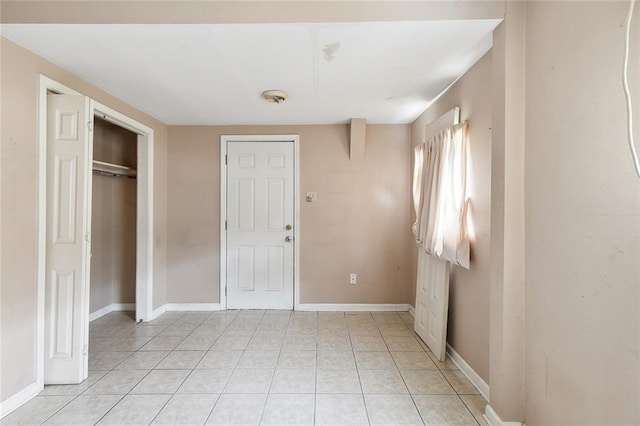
point(186, 307)
point(158, 311)
point(111, 308)
point(466, 369)
point(356, 307)
point(18, 399)
point(494, 420)
point(412, 311)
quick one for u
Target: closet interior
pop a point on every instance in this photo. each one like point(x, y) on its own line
point(113, 218)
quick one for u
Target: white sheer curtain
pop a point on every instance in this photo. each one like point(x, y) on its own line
point(439, 195)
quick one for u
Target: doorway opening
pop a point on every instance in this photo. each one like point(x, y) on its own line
point(63, 322)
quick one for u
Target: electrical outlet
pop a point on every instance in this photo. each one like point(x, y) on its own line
point(353, 278)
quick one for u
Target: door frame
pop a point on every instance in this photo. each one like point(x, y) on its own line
point(144, 219)
point(224, 139)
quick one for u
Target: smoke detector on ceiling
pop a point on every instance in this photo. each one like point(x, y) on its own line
point(275, 96)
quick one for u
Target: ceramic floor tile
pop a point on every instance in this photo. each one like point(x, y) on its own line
point(459, 382)
point(196, 343)
point(162, 343)
point(100, 344)
point(337, 409)
point(51, 390)
point(336, 360)
point(135, 410)
point(230, 343)
point(447, 364)
point(299, 343)
point(117, 382)
point(206, 381)
point(241, 329)
point(84, 410)
point(382, 381)
point(265, 342)
point(237, 410)
point(220, 359)
point(290, 380)
point(249, 380)
point(332, 342)
point(221, 367)
point(148, 330)
point(143, 360)
point(371, 331)
point(428, 382)
point(391, 410)
point(178, 330)
point(107, 360)
point(161, 381)
point(296, 409)
point(297, 359)
point(413, 360)
point(36, 411)
point(477, 405)
point(443, 410)
point(186, 410)
point(258, 359)
point(130, 344)
point(368, 343)
point(181, 360)
point(401, 343)
point(396, 330)
point(374, 361)
point(337, 381)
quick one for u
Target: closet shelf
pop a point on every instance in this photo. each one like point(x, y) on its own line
point(111, 169)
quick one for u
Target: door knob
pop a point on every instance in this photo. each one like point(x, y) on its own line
point(288, 238)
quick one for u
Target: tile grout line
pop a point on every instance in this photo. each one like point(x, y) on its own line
point(232, 370)
point(185, 377)
point(355, 362)
point(142, 378)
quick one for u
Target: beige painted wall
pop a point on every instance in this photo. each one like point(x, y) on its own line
point(113, 220)
point(582, 218)
point(179, 12)
point(468, 331)
point(18, 280)
point(359, 223)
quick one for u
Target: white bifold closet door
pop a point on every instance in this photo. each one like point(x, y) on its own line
point(67, 239)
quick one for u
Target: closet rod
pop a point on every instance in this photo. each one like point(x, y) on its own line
point(110, 169)
point(113, 174)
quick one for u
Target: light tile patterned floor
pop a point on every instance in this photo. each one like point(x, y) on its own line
point(259, 367)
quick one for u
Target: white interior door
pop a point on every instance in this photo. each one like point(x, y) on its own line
point(260, 214)
point(432, 302)
point(67, 239)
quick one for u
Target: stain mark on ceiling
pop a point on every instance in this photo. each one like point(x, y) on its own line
point(330, 51)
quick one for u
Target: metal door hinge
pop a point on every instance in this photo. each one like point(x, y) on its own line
point(225, 225)
point(225, 291)
point(90, 125)
point(226, 159)
point(85, 349)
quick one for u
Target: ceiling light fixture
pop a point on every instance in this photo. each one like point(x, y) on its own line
point(275, 96)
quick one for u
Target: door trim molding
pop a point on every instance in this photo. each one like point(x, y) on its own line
point(144, 206)
point(224, 139)
point(144, 228)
